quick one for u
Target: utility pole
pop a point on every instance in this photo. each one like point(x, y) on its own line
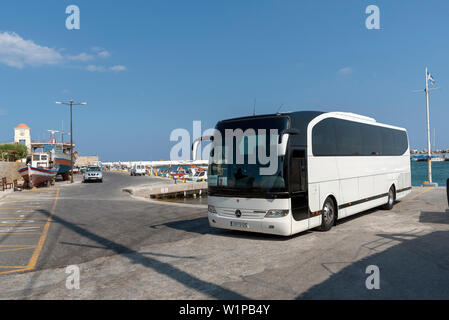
point(429, 146)
point(71, 103)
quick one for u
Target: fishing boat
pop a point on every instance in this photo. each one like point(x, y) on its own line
point(62, 163)
point(178, 173)
point(34, 176)
point(59, 155)
point(419, 157)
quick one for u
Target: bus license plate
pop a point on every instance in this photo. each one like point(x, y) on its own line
point(239, 224)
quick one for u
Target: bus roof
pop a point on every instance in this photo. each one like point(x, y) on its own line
point(296, 114)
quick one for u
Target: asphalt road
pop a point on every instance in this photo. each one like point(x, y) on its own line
point(88, 221)
point(131, 249)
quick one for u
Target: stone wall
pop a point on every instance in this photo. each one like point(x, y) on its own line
point(86, 161)
point(9, 170)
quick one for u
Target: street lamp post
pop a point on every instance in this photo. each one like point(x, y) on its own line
point(71, 103)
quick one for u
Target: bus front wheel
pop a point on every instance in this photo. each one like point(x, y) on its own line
point(328, 215)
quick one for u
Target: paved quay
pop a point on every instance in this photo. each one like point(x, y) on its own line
point(132, 249)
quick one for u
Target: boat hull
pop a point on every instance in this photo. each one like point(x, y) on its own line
point(62, 165)
point(36, 176)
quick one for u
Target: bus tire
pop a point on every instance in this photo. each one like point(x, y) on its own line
point(328, 215)
point(391, 199)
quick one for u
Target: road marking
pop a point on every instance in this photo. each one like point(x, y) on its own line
point(16, 221)
point(16, 245)
point(33, 261)
point(17, 249)
point(18, 211)
point(20, 224)
point(38, 248)
point(18, 233)
point(17, 229)
point(416, 196)
point(22, 218)
point(13, 271)
point(11, 267)
point(18, 208)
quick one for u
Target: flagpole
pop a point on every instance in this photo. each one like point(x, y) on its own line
point(429, 147)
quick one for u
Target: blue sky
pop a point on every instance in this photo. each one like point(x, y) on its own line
point(148, 67)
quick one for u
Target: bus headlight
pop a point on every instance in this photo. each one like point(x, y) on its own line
point(276, 213)
point(211, 209)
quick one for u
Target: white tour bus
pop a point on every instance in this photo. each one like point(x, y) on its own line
point(330, 165)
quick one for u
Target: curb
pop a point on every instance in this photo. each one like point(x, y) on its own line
point(5, 193)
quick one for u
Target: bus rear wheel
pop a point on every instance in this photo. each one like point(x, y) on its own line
point(391, 199)
point(328, 215)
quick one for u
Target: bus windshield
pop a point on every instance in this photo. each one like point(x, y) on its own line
point(234, 177)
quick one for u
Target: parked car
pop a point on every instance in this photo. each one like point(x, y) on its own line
point(138, 170)
point(199, 176)
point(93, 174)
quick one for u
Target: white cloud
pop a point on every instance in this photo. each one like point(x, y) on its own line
point(18, 53)
point(117, 68)
point(94, 68)
point(81, 57)
point(102, 53)
point(345, 71)
point(3, 112)
point(97, 68)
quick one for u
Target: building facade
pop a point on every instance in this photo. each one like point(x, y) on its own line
point(22, 135)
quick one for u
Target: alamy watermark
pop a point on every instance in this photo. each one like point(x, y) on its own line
point(373, 20)
point(72, 22)
point(73, 279)
point(373, 280)
point(249, 146)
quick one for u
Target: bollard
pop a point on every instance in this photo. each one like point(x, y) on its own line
point(447, 191)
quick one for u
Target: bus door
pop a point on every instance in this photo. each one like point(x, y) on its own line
point(298, 186)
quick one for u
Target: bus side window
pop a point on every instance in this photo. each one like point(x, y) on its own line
point(298, 171)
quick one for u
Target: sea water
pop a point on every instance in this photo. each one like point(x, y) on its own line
point(440, 172)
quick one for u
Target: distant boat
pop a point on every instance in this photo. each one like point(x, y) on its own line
point(420, 157)
point(178, 173)
point(423, 157)
point(36, 176)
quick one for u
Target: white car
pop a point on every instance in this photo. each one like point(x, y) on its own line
point(138, 170)
point(200, 176)
point(93, 174)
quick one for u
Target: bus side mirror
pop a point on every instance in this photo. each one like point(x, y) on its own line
point(291, 131)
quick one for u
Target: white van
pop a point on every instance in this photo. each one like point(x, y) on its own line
point(138, 170)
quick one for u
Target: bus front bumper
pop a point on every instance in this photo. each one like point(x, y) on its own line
point(279, 226)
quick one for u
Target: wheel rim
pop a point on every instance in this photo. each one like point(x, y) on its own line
point(328, 212)
point(390, 197)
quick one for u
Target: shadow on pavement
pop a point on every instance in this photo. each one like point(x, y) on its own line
point(201, 226)
point(434, 217)
point(412, 266)
point(210, 289)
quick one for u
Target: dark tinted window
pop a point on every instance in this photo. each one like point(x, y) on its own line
point(387, 142)
point(336, 137)
point(323, 138)
point(348, 137)
point(371, 140)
